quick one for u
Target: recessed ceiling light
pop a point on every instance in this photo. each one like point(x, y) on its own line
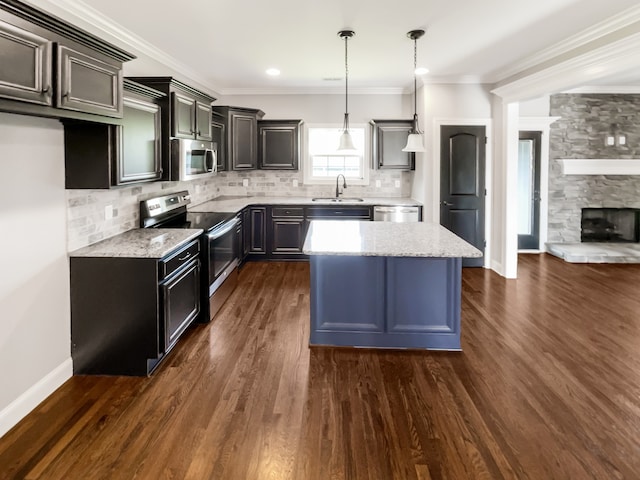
point(273, 72)
point(421, 71)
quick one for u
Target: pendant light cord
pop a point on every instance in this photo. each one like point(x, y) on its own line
point(416, 127)
point(346, 85)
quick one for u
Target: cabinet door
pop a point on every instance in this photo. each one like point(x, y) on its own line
point(243, 142)
point(25, 66)
point(287, 236)
point(86, 84)
point(278, 147)
point(218, 136)
point(257, 242)
point(246, 233)
point(181, 302)
point(203, 121)
point(139, 160)
point(183, 114)
point(389, 138)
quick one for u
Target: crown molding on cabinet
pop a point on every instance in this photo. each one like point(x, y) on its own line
point(103, 26)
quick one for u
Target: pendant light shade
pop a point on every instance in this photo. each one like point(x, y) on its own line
point(346, 142)
point(414, 141)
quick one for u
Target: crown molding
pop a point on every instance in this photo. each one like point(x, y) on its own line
point(104, 27)
point(316, 91)
point(622, 20)
point(601, 62)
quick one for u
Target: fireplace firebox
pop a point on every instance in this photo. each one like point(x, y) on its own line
point(610, 225)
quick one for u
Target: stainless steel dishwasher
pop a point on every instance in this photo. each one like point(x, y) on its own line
point(396, 213)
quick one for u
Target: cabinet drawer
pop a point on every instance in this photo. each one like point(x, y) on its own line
point(354, 213)
point(174, 262)
point(287, 212)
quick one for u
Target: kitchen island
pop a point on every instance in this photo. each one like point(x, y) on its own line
point(385, 285)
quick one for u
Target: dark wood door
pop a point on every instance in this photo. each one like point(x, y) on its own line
point(462, 185)
point(219, 139)
point(25, 66)
point(244, 142)
point(86, 84)
point(139, 159)
point(529, 190)
point(278, 147)
point(182, 116)
point(203, 121)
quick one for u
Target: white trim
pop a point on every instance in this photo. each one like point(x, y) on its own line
point(30, 399)
point(106, 28)
point(435, 187)
point(543, 125)
point(600, 62)
point(611, 25)
point(600, 166)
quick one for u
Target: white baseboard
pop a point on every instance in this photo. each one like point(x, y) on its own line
point(30, 399)
point(497, 267)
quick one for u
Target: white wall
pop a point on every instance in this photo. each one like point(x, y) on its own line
point(443, 102)
point(326, 108)
point(35, 356)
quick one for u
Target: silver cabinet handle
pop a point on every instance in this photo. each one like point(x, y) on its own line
point(185, 257)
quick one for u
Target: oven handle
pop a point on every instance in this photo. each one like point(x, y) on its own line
point(227, 226)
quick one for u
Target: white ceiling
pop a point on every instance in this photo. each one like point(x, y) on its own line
point(229, 44)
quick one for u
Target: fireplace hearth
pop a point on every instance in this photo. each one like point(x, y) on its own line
point(616, 225)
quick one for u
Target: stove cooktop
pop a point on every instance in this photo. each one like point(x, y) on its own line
point(207, 220)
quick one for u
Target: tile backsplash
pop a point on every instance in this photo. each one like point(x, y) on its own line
point(87, 209)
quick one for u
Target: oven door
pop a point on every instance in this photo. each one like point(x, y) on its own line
point(223, 251)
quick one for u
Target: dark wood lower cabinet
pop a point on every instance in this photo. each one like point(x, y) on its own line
point(286, 233)
point(258, 231)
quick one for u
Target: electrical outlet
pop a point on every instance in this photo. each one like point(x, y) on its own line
point(198, 188)
point(295, 184)
point(378, 183)
point(245, 182)
point(108, 212)
point(397, 183)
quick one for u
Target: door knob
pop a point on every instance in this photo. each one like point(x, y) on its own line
point(444, 202)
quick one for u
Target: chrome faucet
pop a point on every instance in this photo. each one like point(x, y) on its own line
point(344, 184)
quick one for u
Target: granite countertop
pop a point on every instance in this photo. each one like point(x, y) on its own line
point(140, 243)
point(235, 204)
point(385, 239)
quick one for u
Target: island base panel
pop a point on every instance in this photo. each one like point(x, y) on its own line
point(386, 302)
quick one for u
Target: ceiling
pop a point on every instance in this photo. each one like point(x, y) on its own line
point(228, 44)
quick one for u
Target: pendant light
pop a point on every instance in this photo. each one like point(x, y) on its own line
point(414, 141)
point(346, 142)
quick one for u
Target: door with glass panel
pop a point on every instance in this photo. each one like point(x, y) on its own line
point(529, 191)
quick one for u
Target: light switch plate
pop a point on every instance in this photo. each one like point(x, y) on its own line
point(378, 183)
point(108, 212)
point(295, 183)
point(397, 183)
point(245, 182)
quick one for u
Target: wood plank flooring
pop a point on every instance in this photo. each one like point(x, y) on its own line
point(547, 387)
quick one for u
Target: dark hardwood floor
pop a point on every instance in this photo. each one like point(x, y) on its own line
point(547, 387)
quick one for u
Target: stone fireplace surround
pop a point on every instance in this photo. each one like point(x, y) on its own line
point(580, 134)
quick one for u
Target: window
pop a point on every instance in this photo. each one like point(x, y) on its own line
point(323, 163)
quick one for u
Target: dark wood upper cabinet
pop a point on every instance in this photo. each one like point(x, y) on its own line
point(388, 138)
point(99, 155)
point(191, 118)
point(25, 69)
point(53, 69)
point(279, 144)
point(219, 138)
point(242, 136)
point(87, 84)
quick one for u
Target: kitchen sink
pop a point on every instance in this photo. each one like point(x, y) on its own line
point(334, 199)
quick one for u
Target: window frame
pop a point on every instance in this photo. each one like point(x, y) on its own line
point(306, 161)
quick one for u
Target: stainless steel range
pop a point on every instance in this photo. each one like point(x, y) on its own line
point(218, 244)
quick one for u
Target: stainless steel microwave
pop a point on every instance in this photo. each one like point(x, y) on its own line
point(192, 159)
